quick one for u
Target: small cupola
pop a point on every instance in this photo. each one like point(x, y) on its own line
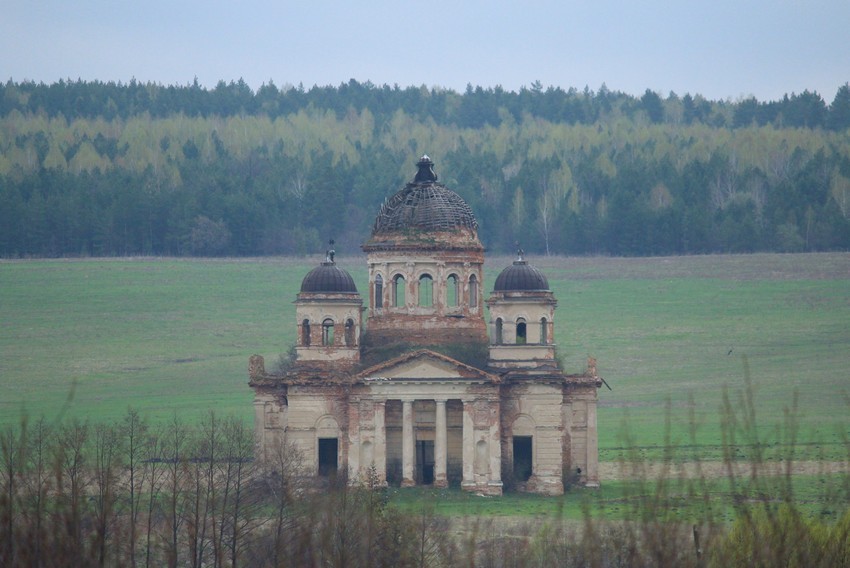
point(328, 277)
point(522, 311)
point(521, 277)
point(328, 314)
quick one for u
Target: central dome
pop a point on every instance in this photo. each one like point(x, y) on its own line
point(425, 205)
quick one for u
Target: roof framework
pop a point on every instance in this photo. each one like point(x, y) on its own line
point(424, 206)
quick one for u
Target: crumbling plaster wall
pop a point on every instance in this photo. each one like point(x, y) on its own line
point(316, 310)
point(297, 420)
point(580, 419)
point(535, 409)
point(531, 309)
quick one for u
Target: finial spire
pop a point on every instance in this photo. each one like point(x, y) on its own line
point(426, 170)
point(519, 253)
point(329, 254)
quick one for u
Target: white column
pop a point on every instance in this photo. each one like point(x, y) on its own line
point(495, 445)
point(440, 295)
point(468, 446)
point(592, 446)
point(440, 446)
point(380, 450)
point(407, 444)
point(567, 458)
point(356, 471)
point(259, 426)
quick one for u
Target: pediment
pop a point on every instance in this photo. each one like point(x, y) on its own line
point(424, 365)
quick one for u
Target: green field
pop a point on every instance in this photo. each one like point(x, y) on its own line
point(89, 338)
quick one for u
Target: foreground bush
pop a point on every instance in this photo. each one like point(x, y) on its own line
point(78, 494)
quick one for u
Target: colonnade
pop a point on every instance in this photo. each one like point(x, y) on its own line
point(481, 451)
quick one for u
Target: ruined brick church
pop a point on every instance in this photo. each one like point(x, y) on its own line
point(424, 390)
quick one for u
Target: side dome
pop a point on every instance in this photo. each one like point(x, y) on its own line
point(426, 205)
point(328, 277)
point(520, 277)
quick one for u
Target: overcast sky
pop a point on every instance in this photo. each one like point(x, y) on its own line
point(721, 49)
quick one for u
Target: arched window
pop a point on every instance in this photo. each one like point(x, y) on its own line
point(305, 333)
point(349, 333)
point(544, 331)
point(520, 332)
point(328, 332)
point(473, 291)
point(426, 291)
point(499, 325)
point(398, 291)
point(451, 291)
point(379, 292)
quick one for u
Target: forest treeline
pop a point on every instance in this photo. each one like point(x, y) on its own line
point(93, 168)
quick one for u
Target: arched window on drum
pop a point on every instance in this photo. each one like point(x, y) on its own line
point(473, 291)
point(305, 333)
point(452, 285)
point(328, 332)
point(426, 291)
point(521, 332)
point(349, 333)
point(398, 291)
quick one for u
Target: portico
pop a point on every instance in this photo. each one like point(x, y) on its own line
point(422, 422)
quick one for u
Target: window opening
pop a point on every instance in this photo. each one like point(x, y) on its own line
point(379, 292)
point(328, 332)
point(520, 332)
point(305, 333)
point(328, 449)
point(349, 333)
point(473, 291)
point(398, 291)
point(426, 291)
point(499, 325)
point(544, 331)
point(522, 458)
point(451, 296)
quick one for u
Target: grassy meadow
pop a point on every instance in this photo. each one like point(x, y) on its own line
point(88, 338)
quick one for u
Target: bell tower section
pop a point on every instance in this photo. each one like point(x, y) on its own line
point(328, 313)
point(522, 310)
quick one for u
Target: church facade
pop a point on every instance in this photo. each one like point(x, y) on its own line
point(427, 389)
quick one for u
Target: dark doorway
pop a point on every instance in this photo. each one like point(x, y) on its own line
point(522, 458)
point(327, 456)
point(424, 462)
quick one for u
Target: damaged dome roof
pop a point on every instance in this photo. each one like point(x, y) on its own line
point(426, 205)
